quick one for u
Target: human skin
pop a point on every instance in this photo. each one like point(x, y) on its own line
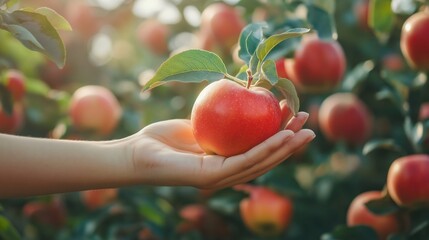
point(163, 153)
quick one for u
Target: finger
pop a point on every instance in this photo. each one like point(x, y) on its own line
point(296, 122)
point(275, 158)
point(240, 163)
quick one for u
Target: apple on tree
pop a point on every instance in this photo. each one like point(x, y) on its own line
point(383, 225)
point(15, 84)
point(319, 65)
point(94, 108)
point(154, 35)
point(233, 114)
point(221, 24)
point(407, 181)
point(344, 117)
point(265, 212)
point(414, 40)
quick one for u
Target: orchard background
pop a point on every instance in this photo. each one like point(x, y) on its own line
point(120, 44)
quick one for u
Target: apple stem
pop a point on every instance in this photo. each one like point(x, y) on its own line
point(249, 78)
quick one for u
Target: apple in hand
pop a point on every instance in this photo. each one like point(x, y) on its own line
point(229, 119)
point(265, 212)
point(414, 40)
point(359, 214)
point(408, 180)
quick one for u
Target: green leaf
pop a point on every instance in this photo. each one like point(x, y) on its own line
point(7, 231)
point(357, 75)
point(385, 146)
point(266, 46)
point(287, 89)
point(381, 17)
point(351, 233)
point(250, 38)
point(39, 35)
point(382, 206)
point(189, 66)
point(269, 72)
point(242, 73)
point(25, 36)
point(322, 21)
point(56, 20)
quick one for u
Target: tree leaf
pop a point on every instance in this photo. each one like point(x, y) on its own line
point(24, 36)
point(385, 145)
point(250, 38)
point(39, 35)
point(7, 231)
point(287, 89)
point(381, 17)
point(357, 75)
point(189, 66)
point(382, 206)
point(322, 21)
point(266, 46)
point(56, 20)
point(351, 233)
point(269, 72)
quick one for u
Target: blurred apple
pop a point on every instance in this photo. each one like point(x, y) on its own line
point(12, 123)
point(361, 11)
point(15, 83)
point(83, 18)
point(95, 108)
point(97, 198)
point(383, 225)
point(344, 117)
point(223, 23)
point(154, 35)
point(265, 212)
point(52, 213)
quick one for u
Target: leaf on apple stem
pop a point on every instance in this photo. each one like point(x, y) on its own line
point(189, 66)
point(250, 38)
point(266, 46)
point(269, 72)
point(287, 89)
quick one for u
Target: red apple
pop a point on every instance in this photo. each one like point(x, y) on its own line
point(393, 62)
point(154, 35)
point(94, 108)
point(344, 117)
point(15, 83)
point(319, 65)
point(97, 198)
point(361, 10)
point(12, 123)
point(222, 23)
point(265, 212)
point(359, 214)
point(424, 111)
point(198, 217)
point(414, 40)
point(229, 119)
point(408, 180)
point(83, 18)
point(52, 213)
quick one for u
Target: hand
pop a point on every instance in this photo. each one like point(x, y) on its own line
point(166, 153)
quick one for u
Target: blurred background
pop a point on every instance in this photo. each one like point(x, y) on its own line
point(365, 97)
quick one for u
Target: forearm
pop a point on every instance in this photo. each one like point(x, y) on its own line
point(35, 166)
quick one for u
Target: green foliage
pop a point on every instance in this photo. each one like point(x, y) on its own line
point(37, 30)
point(321, 179)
